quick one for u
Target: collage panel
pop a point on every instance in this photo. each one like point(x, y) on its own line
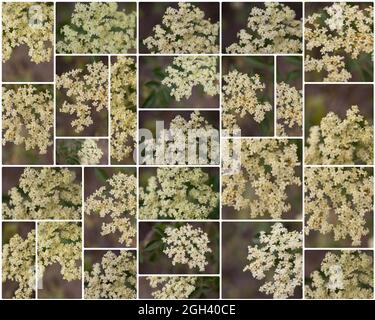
point(339, 207)
point(59, 260)
point(266, 184)
point(27, 124)
point(247, 101)
point(96, 27)
point(179, 287)
point(89, 151)
point(339, 274)
point(339, 41)
point(82, 96)
point(339, 124)
point(262, 27)
point(18, 260)
point(41, 193)
point(179, 137)
point(262, 260)
point(179, 27)
point(179, 82)
point(123, 114)
point(27, 41)
point(110, 219)
point(289, 96)
point(179, 193)
point(179, 248)
point(110, 274)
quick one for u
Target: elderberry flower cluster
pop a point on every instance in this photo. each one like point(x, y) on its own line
point(98, 27)
point(187, 245)
point(289, 108)
point(116, 204)
point(240, 98)
point(273, 29)
point(186, 72)
point(180, 287)
point(47, 193)
point(86, 90)
point(345, 194)
point(342, 275)
point(336, 141)
point(177, 193)
point(61, 243)
point(18, 264)
point(28, 117)
point(123, 108)
point(184, 30)
point(268, 169)
point(345, 34)
point(115, 277)
point(279, 251)
point(29, 24)
point(89, 153)
point(178, 144)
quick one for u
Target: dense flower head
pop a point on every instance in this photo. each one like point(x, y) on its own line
point(98, 27)
point(18, 264)
point(89, 153)
point(289, 108)
point(345, 194)
point(123, 108)
point(178, 193)
point(187, 245)
point(345, 33)
point(184, 30)
point(178, 144)
point(30, 24)
point(47, 193)
point(116, 200)
point(115, 277)
point(273, 29)
point(280, 252)
point(179, 287)
point(342, 275)
point(240, 98)
point(61, 243)
point(28, 117)
point(268, 169)
point(186, 72)
point(336, 141)
point(86, 90)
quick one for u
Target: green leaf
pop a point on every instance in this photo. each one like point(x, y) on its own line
point(101, 174)
point(153, 84)
point(158, 72)
point(153, 245)
point(150, 100)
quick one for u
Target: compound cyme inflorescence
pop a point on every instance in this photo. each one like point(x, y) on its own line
point(340, 33)
point(280, 252)
point(115, 277)
point(98, 27)
point(184, 30)
point(117, 201)
point(28, 117)
point(274, 29)
point(47, 193)
point(178, 193)
point(187, 245)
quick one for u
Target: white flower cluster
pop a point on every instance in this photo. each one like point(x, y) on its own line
point(186, 72)
point(273, 29)
point(280, 252)
point(184, 30)
point(187, 245)
point(172, 287)
point(90, 153)
point(179, 193)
